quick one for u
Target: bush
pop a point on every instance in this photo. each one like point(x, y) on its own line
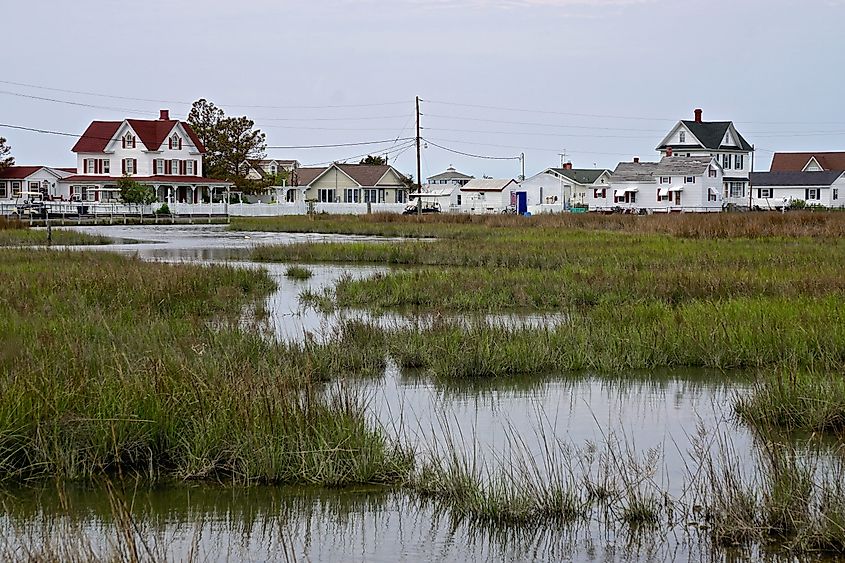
point(163, 210)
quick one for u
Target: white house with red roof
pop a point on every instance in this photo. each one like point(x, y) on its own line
point(165, 154)
point(19, 182)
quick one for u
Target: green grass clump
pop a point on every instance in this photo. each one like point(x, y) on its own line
point(24, 236)
point(115, 366)
point(298, 273)
point(804, 401)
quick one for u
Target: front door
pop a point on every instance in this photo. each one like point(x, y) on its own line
point(677, 198)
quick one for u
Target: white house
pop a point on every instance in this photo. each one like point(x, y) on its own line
point(676, 183)
point(260, 169)
point(775, 190)
point(351, 183)
point(488, 195)
point(20, 181)
point(450, 177)
point(164, 154)
point(560, 188)
point(718, 139)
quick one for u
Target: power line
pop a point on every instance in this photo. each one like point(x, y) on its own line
point(129, 98)
point(536, 124)
point(532, 134)
point(289, 147)
point(547, 112)
point(486, 157)
point(401, 148)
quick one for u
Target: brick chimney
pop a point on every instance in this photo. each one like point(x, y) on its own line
point(668, 151)
point(164, 115)
point(698, 113)
point(567, 166)
point(636, 160)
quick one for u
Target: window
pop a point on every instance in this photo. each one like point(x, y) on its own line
point(683, 136)
point(89, 165)
point(677, 198)
point(374, 195)
point(813, 194)
point(736, 189)
point(3, 193)
point(459, 199)
point(129, 141)
point(159, 167)
point(129, 165)
point(175, 142)
point(726, 161)
point(402, 196)
point(764, 193)
point(633, 198)
point(739, 162)
point(325, 195)
point(274, 169)
point(835, 193)
point(189, 168)
point(174, 167)
point(711, 195)
point(352, 195)
point(665, 180)
point(16, 188)
point(105, 166)
point(712, 172)
point(689, 180)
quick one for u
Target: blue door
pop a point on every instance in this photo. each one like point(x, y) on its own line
point(522, 202)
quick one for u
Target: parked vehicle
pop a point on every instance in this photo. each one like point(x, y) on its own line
point(426, 209)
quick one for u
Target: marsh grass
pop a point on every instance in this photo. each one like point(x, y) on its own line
point(298, 273)
point(24, 236)
point(111, 366)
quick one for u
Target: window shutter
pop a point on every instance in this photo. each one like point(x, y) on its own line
point(807, 194)
point(196, 168)
point(155, 167)
point(180, 143)
point(181, 167)
point(170, 143)
point(135, 166)
point(167, 167)
point(123, 166)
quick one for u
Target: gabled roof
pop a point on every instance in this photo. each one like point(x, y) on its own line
point(367, 174)
point(305, 176)
point(580, 175)
point(797, 161)
point(151, 132)
point(634, 172)
point(710, 134)
point(487, 185)
point(23, 172)
point(791, 178)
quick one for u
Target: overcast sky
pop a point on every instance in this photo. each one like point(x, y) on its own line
point(604, 80)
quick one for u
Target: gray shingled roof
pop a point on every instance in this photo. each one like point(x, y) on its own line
point(710, 133)
point(580, 175)
point(450, 174)
point(801, 179)
point(634, 171)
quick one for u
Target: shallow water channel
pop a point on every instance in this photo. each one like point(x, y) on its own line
point(659, 417)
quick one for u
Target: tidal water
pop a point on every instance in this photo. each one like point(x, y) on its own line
point(659, 419)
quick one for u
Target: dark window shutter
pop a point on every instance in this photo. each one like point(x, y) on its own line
point(123, 166)
point(807, 194)
point(155, 166)
point(180, 143)
point(134, 165)
point(182, 167)
point(167, 167)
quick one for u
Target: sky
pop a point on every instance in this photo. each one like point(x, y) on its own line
point(600, 81)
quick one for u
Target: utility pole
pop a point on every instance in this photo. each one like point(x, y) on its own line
point(419, 166)
point(750, 189)
point(522, 160)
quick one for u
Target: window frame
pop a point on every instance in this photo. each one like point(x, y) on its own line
point(326, 195)
point(3, 193)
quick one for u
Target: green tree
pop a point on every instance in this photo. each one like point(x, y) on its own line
point(133, 192)
point(376, 160)
point(5, 160)
point(229, 142)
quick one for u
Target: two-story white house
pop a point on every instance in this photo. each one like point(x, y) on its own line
point(676, 183)
point(164, 153)
point(717, 139)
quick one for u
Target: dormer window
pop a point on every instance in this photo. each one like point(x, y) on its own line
point(175, 142)
point(273, 169)
point(683, 136)
point(129, 141)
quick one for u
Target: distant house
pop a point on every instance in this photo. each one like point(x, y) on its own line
point(351, 183)
point(564, 186)
point(165, 154)
point(775, 190)
point(808, 162)
point(714, 139)
point(487, 195)
point(261, 169)
point(676, 183)
point(449, 177)
point(22, 181)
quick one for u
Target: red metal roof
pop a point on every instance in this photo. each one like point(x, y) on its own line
point(152, 133)
point(19, 172)
point(796, 161)
point(144, 179)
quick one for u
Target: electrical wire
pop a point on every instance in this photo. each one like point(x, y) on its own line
point(485, 157)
